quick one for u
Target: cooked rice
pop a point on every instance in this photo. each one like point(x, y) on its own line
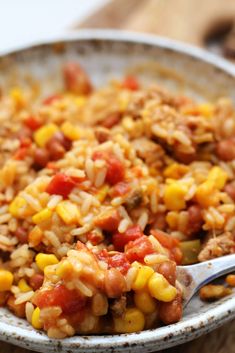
point(105, 184)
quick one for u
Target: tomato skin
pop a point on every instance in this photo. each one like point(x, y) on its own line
point(115, 168)
point(61, 184)
point(119, 240)
point(118, 260)
point(21, 153)
point(70, 301)
point(131, 83)
point(108, 221)
point(121, 188)
point(166, 240)
point(32, 123)
point(115, 172)
point(136, 250)
point(76, 79)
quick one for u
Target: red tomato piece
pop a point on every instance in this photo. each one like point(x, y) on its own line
point(21, 153)
point(115, 172)
point(32, 123)
point(120, 262)
point(121, 188)
point(108, 221)
point(166, 240)
point(121, 239)
point(95, 238)
point(51, 99)
point(70, 301)
point(136, 250)
point(103, 255)
point(25, 142)
point(115, 168)
point(131, 83)
point(76, 79)
point(60, 184)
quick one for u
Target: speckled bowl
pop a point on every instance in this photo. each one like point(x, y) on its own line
point(107, 54)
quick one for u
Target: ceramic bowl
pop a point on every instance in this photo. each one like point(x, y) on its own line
point(108, 54)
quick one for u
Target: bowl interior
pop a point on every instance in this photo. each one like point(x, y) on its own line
point(106, 57)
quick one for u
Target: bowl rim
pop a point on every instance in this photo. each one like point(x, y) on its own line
point(194, 326)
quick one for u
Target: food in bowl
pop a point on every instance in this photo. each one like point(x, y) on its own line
point(103, 193)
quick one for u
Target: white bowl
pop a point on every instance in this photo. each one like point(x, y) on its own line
point(106, 54)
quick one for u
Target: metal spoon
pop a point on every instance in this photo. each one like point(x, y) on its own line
point(193, 277)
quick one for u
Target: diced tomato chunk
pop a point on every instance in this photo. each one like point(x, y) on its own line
point(131, 83)
point(21, 153)
point(75, 78)
point(121, 188)
point(121, 239)
point(61, 184)
point(120, 262)
point(115, 172)
point(51, 99)
point(115, 168)
point(25, 142)
point(95, 238)
point(166, 240)
point(32, 123)
point(136, 250)
point(108, 220)
point(70, 301)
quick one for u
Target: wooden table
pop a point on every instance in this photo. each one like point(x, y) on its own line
point(192, 21)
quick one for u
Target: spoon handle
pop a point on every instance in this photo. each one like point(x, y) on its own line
point(193, 277)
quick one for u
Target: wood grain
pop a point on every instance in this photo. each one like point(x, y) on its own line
point(185, 20)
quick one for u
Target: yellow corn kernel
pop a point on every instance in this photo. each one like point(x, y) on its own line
point(145, 302)
point(18, 97)
point(6, 280)
point(70, 131)
point(102, 193)
point(19, 208)
point(206, 195)
point(174, 196)
point(172, 219)
point(128, 123)
point(80, 101)
point(218, 176)
point(35, 236)
point(143, 275)
point(44, 260)
point(36, 322)
point(161, 289)
point(175, 171)
point(132, 321)
point(64, 268)
point(42, 216)
point(68, 212)
point(23, 285)
point(43, 135)
point(206, 109)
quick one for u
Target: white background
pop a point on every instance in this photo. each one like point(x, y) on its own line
point(22, 21)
